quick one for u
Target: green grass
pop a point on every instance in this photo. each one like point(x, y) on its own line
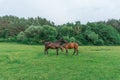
point(27, 62)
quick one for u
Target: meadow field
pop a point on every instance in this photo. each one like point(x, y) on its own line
point(28, 62)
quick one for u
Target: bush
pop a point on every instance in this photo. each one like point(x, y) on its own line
point(99, 42)
point(36, 34)
point(49, 33)
point(72, 39)
point(69, 39)
point(21, 37)
point(91, 36)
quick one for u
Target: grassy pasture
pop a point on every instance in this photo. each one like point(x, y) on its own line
point(27, 62)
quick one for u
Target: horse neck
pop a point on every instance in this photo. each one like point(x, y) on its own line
point(58, 42)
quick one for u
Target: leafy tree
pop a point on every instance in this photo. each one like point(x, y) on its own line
point(114, 23)
point(72, 39)
point(36, 34)
point(33, 34)
point(35, 30)
point(69, 39)
point(21, 37)
point(99, 42)
point(91, 37)
point(49, 33)
point(106, 33)
point(66, 31)
point(77, 28)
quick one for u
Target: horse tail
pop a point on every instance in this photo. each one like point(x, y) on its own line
point(76, 46)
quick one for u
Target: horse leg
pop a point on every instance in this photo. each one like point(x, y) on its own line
point(62, 49)
point(57, 51)
point(45, 50)
point(66, 51)
point(74, 51)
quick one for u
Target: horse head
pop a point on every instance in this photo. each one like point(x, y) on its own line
point(61, 41)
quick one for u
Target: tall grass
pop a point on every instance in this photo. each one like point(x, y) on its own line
point(27, 62)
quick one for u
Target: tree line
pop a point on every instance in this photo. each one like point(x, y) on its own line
point(37, 30)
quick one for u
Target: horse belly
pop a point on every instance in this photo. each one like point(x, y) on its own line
point(53, 47)
point(70, 48)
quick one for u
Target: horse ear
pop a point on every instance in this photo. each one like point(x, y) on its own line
point(62, 39)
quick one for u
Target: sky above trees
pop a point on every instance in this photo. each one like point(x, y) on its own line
point(62, 11)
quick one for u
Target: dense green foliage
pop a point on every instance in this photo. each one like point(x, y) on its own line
point(27, 62)
point(36, 30)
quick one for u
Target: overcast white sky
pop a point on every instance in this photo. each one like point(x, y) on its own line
point(62, 11)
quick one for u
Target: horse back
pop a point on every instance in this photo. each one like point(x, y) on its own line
point(71, 45)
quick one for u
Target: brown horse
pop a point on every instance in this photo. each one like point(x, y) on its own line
point(71, 45)
point(56, 45)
